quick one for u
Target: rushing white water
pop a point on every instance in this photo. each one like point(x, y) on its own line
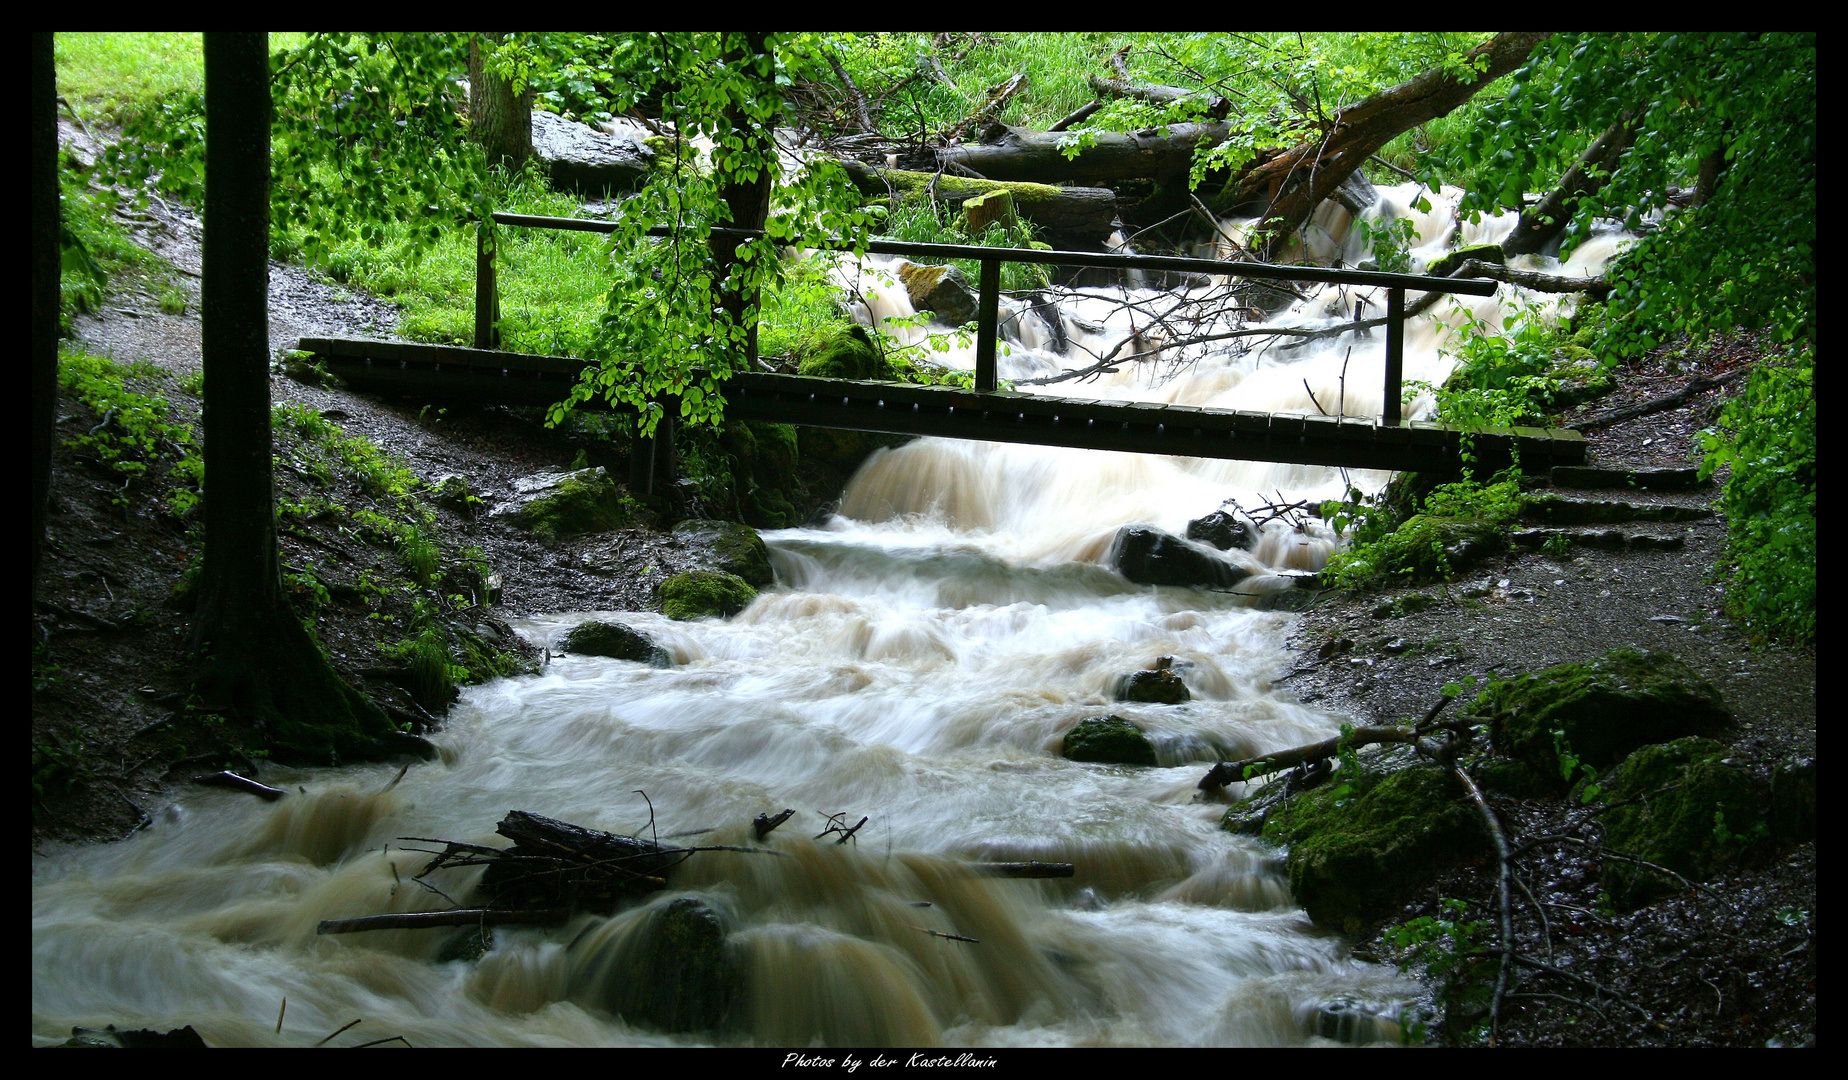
point(917, 663)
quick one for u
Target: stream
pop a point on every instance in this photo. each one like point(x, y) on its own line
point(917, 664)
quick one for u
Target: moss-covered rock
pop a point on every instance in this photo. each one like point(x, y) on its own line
point(584, 501)
point(699, 593)
point(736, 548)
point(1489, 253)
point(1678, 805)
point(1110, 740)
point(1605, 709)
point(850, 354)
point(596, 638)
point(1359, 847)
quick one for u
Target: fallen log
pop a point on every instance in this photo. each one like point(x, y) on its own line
point(1029, 869)
point(1680, 397)
point(424, 920)
point(1080, 215)
point(1023, 154)
point(1227, 772)
point(242, 783)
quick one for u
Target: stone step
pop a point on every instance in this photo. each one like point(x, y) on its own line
point(1602, 539)
point(1570, 510)
point(1647, 477)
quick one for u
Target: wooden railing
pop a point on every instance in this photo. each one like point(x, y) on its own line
point(487, 293)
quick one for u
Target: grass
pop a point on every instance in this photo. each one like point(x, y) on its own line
point(109, 76)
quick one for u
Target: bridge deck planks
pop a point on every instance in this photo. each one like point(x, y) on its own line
point(439, 372)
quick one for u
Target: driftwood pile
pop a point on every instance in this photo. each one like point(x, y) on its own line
point(556, 869)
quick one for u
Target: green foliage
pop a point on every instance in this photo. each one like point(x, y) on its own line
point(667, 331)
point(1447, 949)
point(1456, 520)
point(1746, 257)
point(1768, 436)
point(135, 428)
point(1573, 771)
point(59, 765)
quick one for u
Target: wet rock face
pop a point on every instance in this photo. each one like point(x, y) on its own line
point(1605, 709)
point(614, 640)
point(1110, 740)
point(1149, 556)
point(1682, 806)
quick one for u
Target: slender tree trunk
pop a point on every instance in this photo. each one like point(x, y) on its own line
point(43, 153)
point(499, 119)
point(255, 658)
point(749, 199)
point(1550, 216)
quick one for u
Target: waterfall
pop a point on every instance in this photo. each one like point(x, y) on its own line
point(917, 663)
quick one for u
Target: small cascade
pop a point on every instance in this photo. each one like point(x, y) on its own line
point(918, 664)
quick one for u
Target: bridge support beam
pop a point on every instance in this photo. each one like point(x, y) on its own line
point(987, 325)
point(1395, 355)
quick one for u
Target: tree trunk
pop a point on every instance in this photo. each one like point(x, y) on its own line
point(1081, 218)
point(255, 658)
point(748, 200)
point(1550, 216)
point(43, 151)
point(1287, 187)
point(500, 120)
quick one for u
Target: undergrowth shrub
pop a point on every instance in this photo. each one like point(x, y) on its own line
point(1768, 435)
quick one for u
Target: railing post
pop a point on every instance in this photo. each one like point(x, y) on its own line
point(1395, 353)
point(487, 290)
point(987, 324)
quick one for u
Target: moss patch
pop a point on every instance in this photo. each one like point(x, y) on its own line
point(1605, 709)
point(1359, 847)
point(1693, 814)
point(1110, 740)
point(583, 502)
point(850, 354)
point(699, 593)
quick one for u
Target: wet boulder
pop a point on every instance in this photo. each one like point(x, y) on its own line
point(1678, 805)
point(1162, 686)
point(675, 971)
point(1109, 740)
point(594, 637)
point(697, 594)
point(1602, 710)
point(940, 289)
point(582, 159)
point(736, 548)
point(1223, 531)
point(1149, 556)
point(554, 505)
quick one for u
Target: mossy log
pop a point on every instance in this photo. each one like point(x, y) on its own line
point(1083, 216)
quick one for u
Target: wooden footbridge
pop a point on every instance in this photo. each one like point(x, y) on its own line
point(490, 376)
